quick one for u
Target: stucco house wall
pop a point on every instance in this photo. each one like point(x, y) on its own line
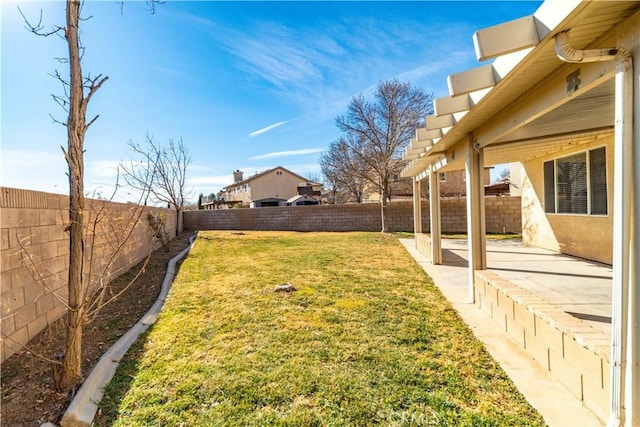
point(241, 194)
point(585, 236)
point(278, 184)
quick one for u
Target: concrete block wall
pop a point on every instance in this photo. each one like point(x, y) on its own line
point(34, 256)
point(502, 215)
point(423, 244)
point(572, 351)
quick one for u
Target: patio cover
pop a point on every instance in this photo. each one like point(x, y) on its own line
point(568, 70)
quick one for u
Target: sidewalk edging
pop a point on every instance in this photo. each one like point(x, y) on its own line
point(84, 406)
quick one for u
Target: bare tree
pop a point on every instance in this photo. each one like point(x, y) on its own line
point(504, 173)
point(377, 131)
point(78, 91)
point(453, 184)
point(165, 167)
point(345, 172)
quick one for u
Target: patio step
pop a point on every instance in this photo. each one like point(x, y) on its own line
point(575, 353)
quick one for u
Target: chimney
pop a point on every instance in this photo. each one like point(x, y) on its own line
point(237, 176)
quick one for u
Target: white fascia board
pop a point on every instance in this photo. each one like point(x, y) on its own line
point(471, 80)
point(425, 134)
point(504, 64)
point(459, 115)
point(420, 143)
point(415, 150)
point(415, 167)
point(409, 169)
point(551, 13)
point(506, 38)
point(410, 154)
point(439, 122)
point(448, 104)
point(476, 96)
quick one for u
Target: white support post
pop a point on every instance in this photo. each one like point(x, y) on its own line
point(475, 214)
point(434, 212)
point(417, 207)
point(633, 341)
point(624, 357)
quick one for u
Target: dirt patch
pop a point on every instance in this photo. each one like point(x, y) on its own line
point(28, 396)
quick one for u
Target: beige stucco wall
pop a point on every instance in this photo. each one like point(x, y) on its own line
point(585, 236)
point(273, 185)
point(270, 185)
point(240, 196)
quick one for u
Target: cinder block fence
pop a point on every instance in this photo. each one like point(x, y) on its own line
point(503, 214)
point(34, 256)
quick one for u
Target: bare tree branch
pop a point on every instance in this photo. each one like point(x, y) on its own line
point(375, 132)
point(38, 28)
point(165, 166)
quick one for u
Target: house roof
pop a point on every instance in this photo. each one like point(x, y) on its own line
point(258, 175)
point(522, 99)
point(298, 197)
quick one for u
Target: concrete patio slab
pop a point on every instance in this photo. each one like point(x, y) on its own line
point(554, 402)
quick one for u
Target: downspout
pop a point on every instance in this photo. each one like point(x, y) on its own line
point(623, 393)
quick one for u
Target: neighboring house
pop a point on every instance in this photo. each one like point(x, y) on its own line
point(500, 188)
point(559, 99)
point(303, 200)
point(273, 187)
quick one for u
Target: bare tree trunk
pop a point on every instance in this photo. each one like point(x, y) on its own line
point(383, 203)
point(72, 366)
point(179, 223)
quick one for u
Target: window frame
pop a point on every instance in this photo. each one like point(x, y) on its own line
point(588, 178)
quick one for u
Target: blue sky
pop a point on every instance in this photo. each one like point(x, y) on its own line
point(246, 85)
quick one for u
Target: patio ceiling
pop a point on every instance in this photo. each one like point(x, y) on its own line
point(584, 119)
point(530, 110)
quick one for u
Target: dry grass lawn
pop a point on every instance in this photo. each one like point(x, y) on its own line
point(366, 339)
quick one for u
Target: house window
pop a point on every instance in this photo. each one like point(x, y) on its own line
point(577, 184)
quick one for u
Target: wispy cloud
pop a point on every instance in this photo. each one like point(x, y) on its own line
point(289, 153)
point(317, 67)
point(266, 129)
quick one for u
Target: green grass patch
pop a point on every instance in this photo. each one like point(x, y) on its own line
point(366, 339)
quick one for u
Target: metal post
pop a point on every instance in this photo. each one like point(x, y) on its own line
point(475, 213)
point(417, 207)
point(434, 212)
